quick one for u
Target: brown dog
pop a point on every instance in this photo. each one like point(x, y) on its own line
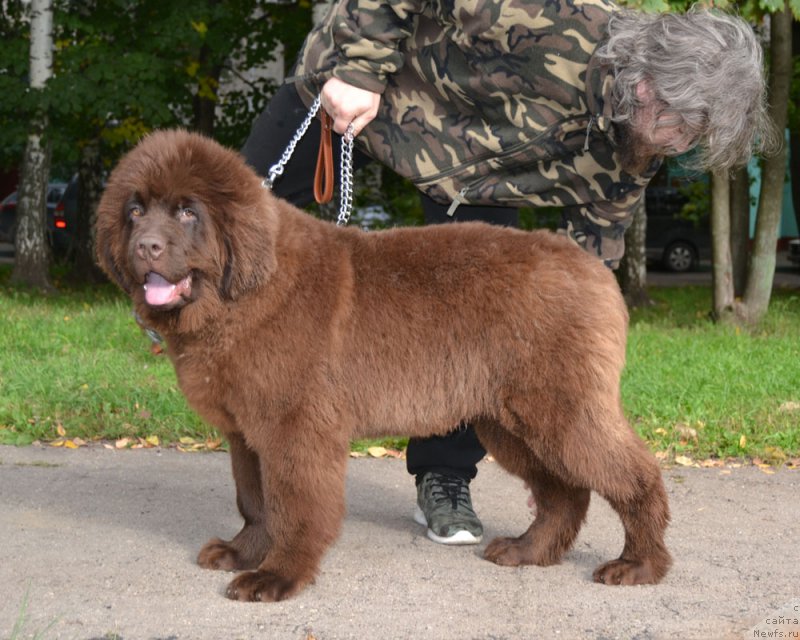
point(294, 336)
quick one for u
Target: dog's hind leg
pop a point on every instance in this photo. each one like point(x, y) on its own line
point(633, 486)
point(249, 546)
point(590, 444)
point(560, 508)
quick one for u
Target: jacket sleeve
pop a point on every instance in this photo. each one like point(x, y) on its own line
point(599, 227)
point(368, 35)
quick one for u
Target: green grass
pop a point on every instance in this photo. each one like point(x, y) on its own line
point(21, 622)
point(703, 390)
point(77, 363)
point(78, 360)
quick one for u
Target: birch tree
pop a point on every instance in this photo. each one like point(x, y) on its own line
point(32, 259)
point(751, 307)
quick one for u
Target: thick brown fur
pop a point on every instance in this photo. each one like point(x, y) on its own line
point(295, 336)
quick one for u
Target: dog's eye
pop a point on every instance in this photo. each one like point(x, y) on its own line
point(186, 214)
point(135, 211)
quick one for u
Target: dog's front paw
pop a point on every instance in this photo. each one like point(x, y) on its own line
point(262, 586)
point(514, 552)
point(222, 556)
point(627, 572)
point(504, 551)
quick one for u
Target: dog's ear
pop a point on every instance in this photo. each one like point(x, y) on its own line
point(108, 264)
point(107, 242)
point(226, 285)
point(248, 239)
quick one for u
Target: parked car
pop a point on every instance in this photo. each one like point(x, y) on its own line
point(61, 208)
point(672, 240)
point(794, 251)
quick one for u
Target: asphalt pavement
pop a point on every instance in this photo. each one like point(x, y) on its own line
point(100, 544)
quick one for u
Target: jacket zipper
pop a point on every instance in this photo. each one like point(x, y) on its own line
point(499, 156)
point(588, 133)
point(459, 199)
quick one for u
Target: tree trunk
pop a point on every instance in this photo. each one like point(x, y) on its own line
point(722, 271)
point(32, 256)
point(794, 138)
point(740, 229)
point(794, 171)
point(205, 100)
point(89, 191)
point(762, 263)
point(632, 273)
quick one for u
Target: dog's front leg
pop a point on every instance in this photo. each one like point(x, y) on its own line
point(248, 548)
point(304, 506)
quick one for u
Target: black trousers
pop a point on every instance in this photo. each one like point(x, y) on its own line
point(458, 452)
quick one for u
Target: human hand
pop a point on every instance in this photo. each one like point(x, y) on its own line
point(345, 103)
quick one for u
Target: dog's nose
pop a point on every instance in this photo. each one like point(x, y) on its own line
point(150, 248)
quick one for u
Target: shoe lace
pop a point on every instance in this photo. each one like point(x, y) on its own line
point(450, 489)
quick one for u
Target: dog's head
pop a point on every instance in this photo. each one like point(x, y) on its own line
point(183, 225)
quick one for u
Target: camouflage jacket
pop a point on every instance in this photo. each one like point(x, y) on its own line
point(487, 102)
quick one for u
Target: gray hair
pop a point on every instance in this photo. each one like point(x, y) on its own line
point(706, 68)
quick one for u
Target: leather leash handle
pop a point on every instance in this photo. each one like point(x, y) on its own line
point(324, 175)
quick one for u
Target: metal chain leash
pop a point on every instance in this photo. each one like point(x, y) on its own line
point(346, 176)
point(276, 170)
point(346, 164)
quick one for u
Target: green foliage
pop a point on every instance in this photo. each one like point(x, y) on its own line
point(122, 68)
point(402, 200)
point(698, 203)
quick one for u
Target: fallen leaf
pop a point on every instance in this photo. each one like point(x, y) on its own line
point(60, 430)
point(358, 454)
point(775, 454)
point(790, 406)
point(122, 443)
point(685, 432)
point(186, 440)
point(377, 452)
point(743, 442)
point(152, 440)
point(57, 443)
point(213, 444)
point(69, 444)
point(684, 461)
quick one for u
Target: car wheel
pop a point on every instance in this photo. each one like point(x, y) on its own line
point(680, 256)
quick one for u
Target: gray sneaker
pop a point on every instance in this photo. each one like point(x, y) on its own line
point(444, 506)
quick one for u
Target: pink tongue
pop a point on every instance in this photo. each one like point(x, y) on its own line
point(158, 291)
